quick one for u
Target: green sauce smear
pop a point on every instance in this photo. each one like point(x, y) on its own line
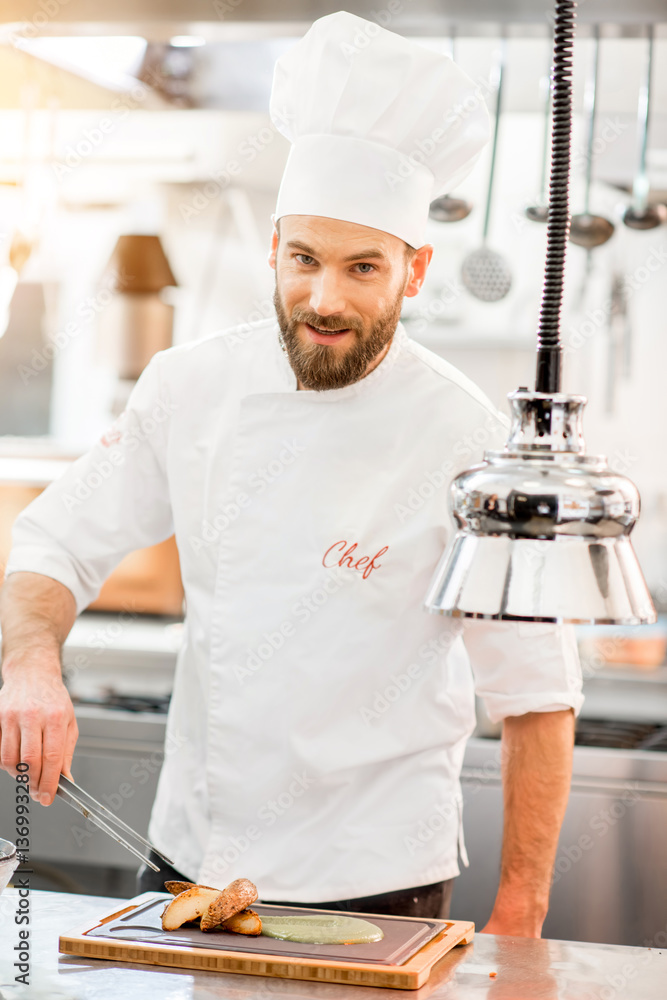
point(321, 929)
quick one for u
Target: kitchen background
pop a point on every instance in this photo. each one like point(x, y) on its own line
point(138, 173)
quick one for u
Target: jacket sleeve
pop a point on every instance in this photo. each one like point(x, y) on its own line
point(112, 500)
point(522, 667)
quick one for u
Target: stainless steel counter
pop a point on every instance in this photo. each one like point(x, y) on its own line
point(525, 969)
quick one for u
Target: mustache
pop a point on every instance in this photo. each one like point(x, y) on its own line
point(325, 323)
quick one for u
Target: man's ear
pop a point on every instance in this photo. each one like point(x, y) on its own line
point(417, 269)
point(274, 244)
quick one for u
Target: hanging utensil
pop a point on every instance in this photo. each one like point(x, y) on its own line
point(448, 208)
point(639, 214)
point(588, 230)
point(616, 316)
point(484, 272)
point(540, 211)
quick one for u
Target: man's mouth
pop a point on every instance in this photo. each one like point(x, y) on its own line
point(319, 336)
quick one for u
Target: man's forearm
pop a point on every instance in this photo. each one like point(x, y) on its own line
point(36, 615)
point(537, 768)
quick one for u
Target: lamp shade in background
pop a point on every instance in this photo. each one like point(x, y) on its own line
point(138, 322)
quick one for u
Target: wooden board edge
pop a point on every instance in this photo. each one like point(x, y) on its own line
point(410, 976)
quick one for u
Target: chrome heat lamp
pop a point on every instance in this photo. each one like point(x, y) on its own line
point(544, 529)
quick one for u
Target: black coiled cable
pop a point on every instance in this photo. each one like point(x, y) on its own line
point(549, 344)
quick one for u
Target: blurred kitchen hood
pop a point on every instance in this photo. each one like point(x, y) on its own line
point(219, 19)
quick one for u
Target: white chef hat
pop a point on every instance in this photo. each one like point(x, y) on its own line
point(379, 125)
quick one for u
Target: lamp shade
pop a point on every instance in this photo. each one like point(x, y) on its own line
point(543, 529)
point(139, 264)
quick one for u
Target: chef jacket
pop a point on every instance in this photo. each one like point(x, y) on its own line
point(319, 715)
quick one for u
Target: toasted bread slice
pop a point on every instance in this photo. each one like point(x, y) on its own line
point(245, 922)
point(188, 905)
point(236, 897)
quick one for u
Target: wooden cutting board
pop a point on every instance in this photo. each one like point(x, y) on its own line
point(409, 976)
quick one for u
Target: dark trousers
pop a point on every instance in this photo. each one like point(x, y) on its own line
point(422, 901)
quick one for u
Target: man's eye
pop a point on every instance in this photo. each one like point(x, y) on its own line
point(303, 258)
point(369, 266)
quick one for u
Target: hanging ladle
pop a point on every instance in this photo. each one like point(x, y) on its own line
point(447, 208)
point(484, 272)
point(639, 214)
point(588, 230)
point(540, 211)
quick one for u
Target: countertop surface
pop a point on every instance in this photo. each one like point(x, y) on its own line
point(525, 969)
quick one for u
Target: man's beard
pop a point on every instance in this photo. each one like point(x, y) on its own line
point(318, 366)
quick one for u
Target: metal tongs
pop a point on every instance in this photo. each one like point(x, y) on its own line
point(89, 807)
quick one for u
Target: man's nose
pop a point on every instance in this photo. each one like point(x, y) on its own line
point(326, 296)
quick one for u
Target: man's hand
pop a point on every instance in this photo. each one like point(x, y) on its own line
point(537, 768)
point(37, 722)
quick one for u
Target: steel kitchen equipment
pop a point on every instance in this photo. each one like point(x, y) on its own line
point(9, 862)
point(449, 209)
point(94, 811)
point(639, 214)
point(484, 272)
point(539, 212)
point(544, 529)
point(588, 230)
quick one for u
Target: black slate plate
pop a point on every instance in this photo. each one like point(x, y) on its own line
point(403, 936)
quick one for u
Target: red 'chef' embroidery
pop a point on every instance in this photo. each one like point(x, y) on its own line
point(365, 564)
point(111, 437)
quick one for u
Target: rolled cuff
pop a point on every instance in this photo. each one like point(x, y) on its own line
point(56, 566)
point(499, 706)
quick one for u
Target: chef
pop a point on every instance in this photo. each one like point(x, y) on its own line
point(319, 715)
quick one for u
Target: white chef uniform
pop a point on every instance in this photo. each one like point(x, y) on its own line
point(319, 715)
